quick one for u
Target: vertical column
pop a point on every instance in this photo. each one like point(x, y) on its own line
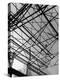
point(28, 64)
point(9, 43)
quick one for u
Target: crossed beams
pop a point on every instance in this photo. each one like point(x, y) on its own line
point(48, 20)
point(25, 19)
point(19, 21)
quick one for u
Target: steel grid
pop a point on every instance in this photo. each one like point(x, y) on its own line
point(32, 34)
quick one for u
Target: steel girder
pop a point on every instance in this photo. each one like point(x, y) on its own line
point(37, 29)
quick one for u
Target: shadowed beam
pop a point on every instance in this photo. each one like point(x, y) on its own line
point(15, 72)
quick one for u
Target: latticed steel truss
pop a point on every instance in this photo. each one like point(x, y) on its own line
point(32, 35)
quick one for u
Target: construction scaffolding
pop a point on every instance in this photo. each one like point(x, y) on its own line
point(32, 36)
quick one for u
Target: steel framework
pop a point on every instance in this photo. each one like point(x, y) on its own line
point(32, 35)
